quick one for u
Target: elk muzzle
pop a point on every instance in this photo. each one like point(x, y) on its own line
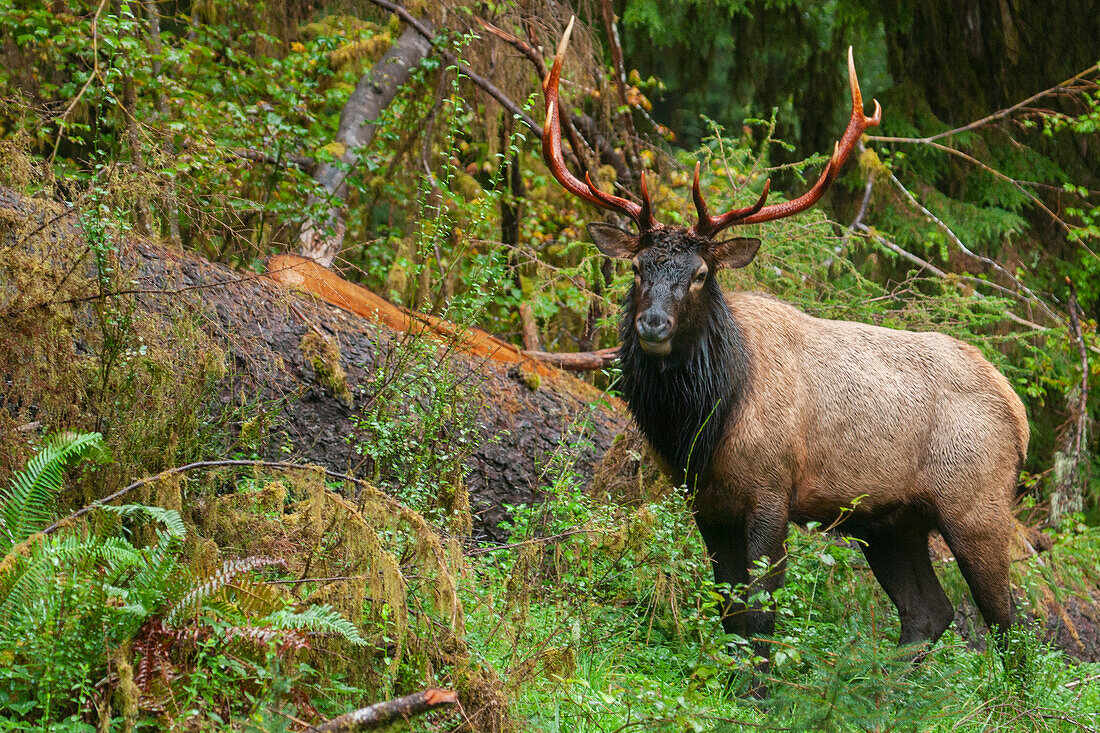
point(655, 327)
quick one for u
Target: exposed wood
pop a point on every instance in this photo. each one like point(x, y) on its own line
point(390, 711)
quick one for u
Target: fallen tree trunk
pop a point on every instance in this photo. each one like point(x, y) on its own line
point(525, 413)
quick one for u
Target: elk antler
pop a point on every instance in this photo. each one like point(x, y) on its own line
point(709, 226)
point(642, 214)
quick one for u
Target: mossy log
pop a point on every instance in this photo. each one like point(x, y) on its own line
point(299, 370)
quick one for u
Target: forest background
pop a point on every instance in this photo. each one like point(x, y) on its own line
point(233, 132)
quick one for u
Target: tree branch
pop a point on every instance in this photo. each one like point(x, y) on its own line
point(491, 89)
point(390, 711)
point(570, 122)
point(576, 361)
point(926, 265)
point(1031, 296)
point(988, 118)
point(930, 140)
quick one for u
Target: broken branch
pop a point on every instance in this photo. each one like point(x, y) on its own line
point(389, 711)
point(576, 361)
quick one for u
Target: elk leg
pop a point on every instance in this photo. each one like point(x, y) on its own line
point(766, 530)
point(981, 549)
point(899, 559)
point(726, 547)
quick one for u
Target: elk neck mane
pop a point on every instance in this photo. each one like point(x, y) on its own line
point(684, 401)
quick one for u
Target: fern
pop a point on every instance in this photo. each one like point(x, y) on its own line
point(224, 575)
point(27, 504)
point(31, 587)
point(321, 618)
point(170, 518)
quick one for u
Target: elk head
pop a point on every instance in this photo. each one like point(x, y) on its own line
point(674, 266)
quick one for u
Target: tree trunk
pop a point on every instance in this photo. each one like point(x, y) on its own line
point(321, 239)
point(302, 371)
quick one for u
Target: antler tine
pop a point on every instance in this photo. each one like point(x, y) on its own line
point(708, 225)
point(857, 125)
point(552, 153)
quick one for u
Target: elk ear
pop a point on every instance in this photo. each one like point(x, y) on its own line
point(736, 252)
point(613, 241)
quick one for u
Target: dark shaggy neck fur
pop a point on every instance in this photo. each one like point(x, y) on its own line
point(683, 401)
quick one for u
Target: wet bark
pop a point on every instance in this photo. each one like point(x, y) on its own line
point(322, 237)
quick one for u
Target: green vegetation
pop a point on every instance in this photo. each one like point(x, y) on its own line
point(258, 597)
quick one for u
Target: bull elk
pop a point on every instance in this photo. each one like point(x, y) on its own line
point(770, 415)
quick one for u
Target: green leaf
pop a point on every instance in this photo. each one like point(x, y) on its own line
point(27, 505)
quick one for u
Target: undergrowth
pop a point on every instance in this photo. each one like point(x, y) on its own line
point(277, 596)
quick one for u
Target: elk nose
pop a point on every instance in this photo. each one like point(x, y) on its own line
point(654, 325)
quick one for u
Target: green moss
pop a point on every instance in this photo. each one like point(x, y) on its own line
point(323, 355)
point(77, 362)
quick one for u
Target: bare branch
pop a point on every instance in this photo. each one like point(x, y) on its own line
point(491, 89)
point(988, 118)
point(383, 713)
point(931, 141)
point(576, 361)
point(1031, 296)
point(926, 265)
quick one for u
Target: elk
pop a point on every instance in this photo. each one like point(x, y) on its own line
point(769, 415)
